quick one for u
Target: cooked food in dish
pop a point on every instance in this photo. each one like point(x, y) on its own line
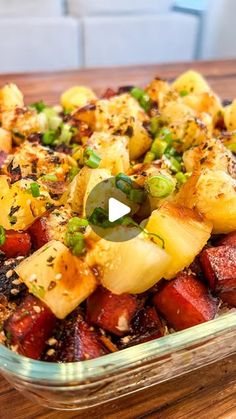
point(66, 292)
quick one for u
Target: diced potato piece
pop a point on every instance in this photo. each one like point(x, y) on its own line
point(191, 82)
point(230, 116)
point(184, 232)
point(62, 281)
point(11, 97)
point(213, 194)
point(113, 150)
point(82, 185)
point(123, 114)
point(131, 266)
point(77, 97)
point(5, 141)
point(19, 208)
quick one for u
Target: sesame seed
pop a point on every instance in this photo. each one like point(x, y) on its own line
point(14, 291)
point(16, 282)
point(51, 352)
point(58, 276)
point(65, 293)
point(20, 257)
point(52, 341)
point(37, 309)
point(9, 273)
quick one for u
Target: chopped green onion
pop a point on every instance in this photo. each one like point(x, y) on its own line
point(137, 93)
point(2, 236)
point(175, 165)
point(49, 178)
point(76, 223)
point(160, 186)
point(76, 243)
point(34, 189)
point(166, 135)
point(65, 135)
point(99, 217)
point(183, 93)
point(137, 196)
point(142, 97)
point(149, 157)
point(72, 173)
point(124, 183)
point(145, 102)
point(181, 178)
point(39, 106)
point(91, 159)
point(49, 138)
point(159, 147)
point(54, 122)
point(74, 239)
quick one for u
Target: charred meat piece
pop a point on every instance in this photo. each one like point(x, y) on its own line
point(39, 233)
point(219, 267)
point(14, 172)
point(10, 284)
point(146, 325)
point(228, 240)
point(229, 297)
point(109, 93)
point(110, 311)
point(29, 327)
point(17, 243)
point(79, 341)
point(185, 302)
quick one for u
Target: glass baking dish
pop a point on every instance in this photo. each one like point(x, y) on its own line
point(82, 385)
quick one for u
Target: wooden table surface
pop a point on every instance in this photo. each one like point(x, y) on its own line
point(208, 393)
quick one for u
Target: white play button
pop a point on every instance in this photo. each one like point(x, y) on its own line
point(116, 209)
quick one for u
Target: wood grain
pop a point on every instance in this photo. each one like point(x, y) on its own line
point(209, 393)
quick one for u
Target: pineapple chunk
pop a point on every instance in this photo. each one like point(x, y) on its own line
point(132, 266)
point(184, 232)
point(77, 97)
point(19, 208)
point(191, 82)
point(59, 279)
point(113, 151)
point(213, 194)
point(124, 115)
point(211, 154)
point(82, 185)
point(11, 97)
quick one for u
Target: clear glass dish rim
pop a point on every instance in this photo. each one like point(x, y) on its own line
point(95, 369)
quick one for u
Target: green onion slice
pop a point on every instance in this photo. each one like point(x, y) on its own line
point(91, 159)
point(160, 186)
point(49, 138)
point(35, 190)
point(124, 183)
point(76, 223)
point(2, 236)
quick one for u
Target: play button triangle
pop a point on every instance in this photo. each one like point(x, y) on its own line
point(117, 209)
